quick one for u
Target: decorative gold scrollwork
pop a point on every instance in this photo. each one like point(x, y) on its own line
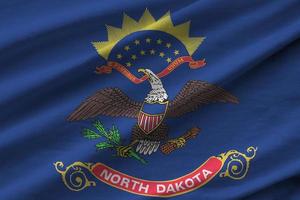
point(74, 176)
point(236, 163)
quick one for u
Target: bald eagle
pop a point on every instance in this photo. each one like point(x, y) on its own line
point(150, 131)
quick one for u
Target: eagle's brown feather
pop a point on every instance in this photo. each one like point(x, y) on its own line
point(110, 102)
point(113, 102)
point(195, 94)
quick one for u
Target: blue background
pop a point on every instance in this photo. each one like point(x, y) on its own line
point(47, 62)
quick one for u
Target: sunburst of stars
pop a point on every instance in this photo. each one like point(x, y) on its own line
point(164, 47)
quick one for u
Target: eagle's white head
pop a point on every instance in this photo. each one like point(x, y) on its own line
point(158, 94)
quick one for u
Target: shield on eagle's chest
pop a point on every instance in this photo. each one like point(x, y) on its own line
point(151, 116)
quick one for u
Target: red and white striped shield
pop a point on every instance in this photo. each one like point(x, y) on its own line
point(149, 122)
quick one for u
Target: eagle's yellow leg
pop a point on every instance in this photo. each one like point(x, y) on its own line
point(123, 151)
point(179, 142)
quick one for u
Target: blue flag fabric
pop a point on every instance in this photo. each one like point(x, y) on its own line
point(219, 119)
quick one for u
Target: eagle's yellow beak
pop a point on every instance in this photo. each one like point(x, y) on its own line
point(143, 71)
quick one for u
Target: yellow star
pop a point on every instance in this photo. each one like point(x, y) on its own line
point(176, 52)
point(161, 54)
point(169, 60)
point(136, 42)
point(127, 48)
point(128, 64)
point(152, 51)
point(133, 57)
point(168, 45)
point(159, 41)
point(142, 52)
point(119, 56)
point(148, 40)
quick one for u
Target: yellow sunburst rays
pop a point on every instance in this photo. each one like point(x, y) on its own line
point(148, 23)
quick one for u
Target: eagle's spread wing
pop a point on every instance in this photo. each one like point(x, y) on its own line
point(195, 94)
point(110, 102)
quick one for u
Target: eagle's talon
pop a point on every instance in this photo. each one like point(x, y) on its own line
point(179, 142)
point(123, 151)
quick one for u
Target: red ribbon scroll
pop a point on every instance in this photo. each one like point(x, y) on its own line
point(107, 69)
point(75, 175)
point(169, 188)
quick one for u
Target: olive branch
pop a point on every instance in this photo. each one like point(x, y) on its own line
point(112, 139)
